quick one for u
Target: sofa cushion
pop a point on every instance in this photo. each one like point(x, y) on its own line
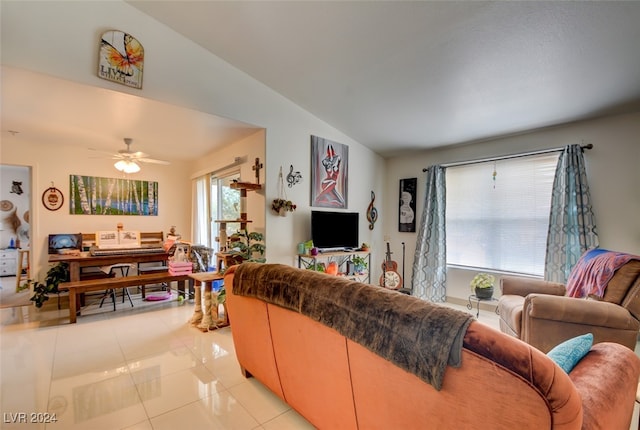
point(570, 352)
point(622, 280)
point(510, 310)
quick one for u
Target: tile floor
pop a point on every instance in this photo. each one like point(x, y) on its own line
point(139, 368)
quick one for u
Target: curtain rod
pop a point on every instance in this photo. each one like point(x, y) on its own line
point(506, 157)
point(236, 161)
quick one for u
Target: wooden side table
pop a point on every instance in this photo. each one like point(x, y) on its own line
point(202, 318)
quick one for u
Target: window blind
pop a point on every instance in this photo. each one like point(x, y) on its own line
point(500, 222)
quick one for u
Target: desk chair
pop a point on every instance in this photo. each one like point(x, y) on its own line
point(124, 271)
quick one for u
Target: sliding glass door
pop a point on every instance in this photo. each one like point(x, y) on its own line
point(225, 205)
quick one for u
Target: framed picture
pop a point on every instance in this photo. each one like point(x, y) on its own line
point(91, 195)
point(121, 59)
point(329, 173)
point(52, 198)
point(407, 206)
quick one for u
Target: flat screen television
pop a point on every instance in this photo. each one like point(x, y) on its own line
point(332, 231)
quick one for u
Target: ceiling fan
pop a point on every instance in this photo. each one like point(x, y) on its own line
point(129, 161)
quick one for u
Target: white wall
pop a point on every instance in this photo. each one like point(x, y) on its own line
point(14, 222)
point(60, 38)
point(613, 169)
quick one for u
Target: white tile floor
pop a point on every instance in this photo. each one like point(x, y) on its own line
point(130, 369)
point(137, 369)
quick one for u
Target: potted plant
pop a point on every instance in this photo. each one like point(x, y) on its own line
point(282, 206)
point(317, 267)
point(364, 246)
point(482, 285)
point(56, 274)
point(248, 246)
point(359, 264)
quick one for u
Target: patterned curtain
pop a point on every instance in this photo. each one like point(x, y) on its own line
point(429, 274)
point(572, 226)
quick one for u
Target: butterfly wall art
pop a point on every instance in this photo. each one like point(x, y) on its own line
point(121, 59)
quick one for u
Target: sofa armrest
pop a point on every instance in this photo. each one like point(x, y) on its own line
point(513, 285)
point(607, 379)
point(550, 320)
point(578, 311)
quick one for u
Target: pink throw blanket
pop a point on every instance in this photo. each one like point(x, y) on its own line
point(594, 270)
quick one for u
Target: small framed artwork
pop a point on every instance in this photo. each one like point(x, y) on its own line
point(329, 173)
point(52, 198)
point(121, 59)
point(407, 206)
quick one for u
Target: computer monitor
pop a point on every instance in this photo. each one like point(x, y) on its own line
point(61, 243)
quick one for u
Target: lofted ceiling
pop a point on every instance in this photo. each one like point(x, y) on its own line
point(399, 76)
point(396, 76)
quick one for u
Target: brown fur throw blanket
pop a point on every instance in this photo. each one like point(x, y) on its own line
point(417, 336)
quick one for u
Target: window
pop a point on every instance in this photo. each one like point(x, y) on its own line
point(500, 222)
point(225, 205)
point(215, 200)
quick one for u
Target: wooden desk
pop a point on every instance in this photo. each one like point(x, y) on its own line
point(203, 319)
point(76, 262)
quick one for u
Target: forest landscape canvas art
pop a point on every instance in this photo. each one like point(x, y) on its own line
point(92, 195)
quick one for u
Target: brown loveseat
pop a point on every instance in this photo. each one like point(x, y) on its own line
point(539, 313)
point(289, 328)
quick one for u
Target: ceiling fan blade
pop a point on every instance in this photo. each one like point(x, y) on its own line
point(137, 154)
point(152, 161)
point(110, 154)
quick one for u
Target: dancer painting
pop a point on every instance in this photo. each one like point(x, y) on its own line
point(329, 171)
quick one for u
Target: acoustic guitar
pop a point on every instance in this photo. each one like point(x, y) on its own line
point(390, 277)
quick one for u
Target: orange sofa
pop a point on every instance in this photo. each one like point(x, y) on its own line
point(337, 381)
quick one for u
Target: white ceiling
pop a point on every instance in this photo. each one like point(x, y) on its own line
point(395, 76)
point(62, 112)
point(404, 75)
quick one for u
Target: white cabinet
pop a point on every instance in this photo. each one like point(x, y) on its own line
point(8, 261)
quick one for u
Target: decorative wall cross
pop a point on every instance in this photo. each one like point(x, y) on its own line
point(257, 166)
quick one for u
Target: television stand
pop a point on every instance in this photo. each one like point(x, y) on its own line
point(342, 258)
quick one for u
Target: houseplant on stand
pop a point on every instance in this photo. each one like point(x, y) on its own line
point(247, 246)
point(359, 264)
point(482, 285)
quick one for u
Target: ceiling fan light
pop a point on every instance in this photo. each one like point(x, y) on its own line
point(127, 166)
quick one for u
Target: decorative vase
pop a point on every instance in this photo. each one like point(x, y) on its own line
point(332, 268)
point(484, 293)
